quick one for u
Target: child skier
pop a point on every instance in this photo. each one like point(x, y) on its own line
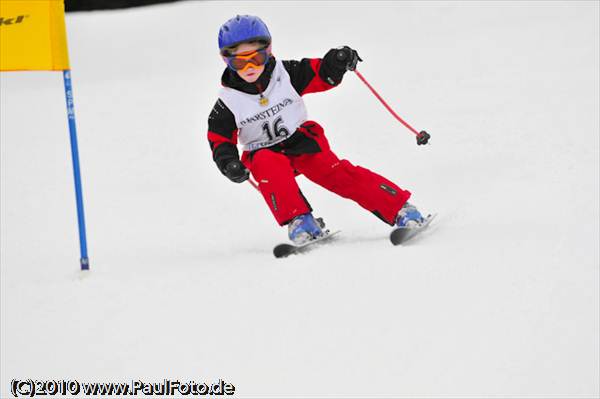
point(260, 106)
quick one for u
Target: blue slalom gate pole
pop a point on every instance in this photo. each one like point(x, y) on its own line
point(85, 263)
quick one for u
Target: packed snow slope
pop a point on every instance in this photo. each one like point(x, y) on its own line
point(500, 298)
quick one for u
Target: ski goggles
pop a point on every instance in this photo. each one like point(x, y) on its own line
point(241, 62)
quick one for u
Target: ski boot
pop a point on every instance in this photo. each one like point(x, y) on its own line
point(304, 228)
point(409, 216)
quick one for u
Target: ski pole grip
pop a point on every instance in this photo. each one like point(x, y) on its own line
point(341, 55)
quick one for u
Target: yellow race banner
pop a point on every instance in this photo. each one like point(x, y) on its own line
point(33, 35)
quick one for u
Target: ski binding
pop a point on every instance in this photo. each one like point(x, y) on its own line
point(287, 249)
point(400, 235)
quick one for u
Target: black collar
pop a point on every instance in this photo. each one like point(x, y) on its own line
point(232, 79)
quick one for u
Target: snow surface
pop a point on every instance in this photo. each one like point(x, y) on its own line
point(499, 299)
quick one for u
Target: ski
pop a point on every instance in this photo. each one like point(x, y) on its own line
point(286, 249)
point(402, 234)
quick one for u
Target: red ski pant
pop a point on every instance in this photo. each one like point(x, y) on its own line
point(275, 174)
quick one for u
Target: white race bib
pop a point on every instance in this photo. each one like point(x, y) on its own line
point(262, 126)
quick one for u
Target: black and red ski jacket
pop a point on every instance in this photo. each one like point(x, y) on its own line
point(309, 75)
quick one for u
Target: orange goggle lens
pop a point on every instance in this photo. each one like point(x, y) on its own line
point(240, 61)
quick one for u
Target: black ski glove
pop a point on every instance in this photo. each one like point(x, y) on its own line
point(348, 57)
point(236, 171)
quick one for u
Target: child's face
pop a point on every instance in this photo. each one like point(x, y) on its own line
point(250, 74)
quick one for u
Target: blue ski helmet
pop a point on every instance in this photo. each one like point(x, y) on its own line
point(240, 29)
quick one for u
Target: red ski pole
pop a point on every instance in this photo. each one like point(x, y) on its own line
point(253, 183)
point(422, 136)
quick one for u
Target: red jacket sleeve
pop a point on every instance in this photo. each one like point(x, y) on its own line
point(312, 75)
